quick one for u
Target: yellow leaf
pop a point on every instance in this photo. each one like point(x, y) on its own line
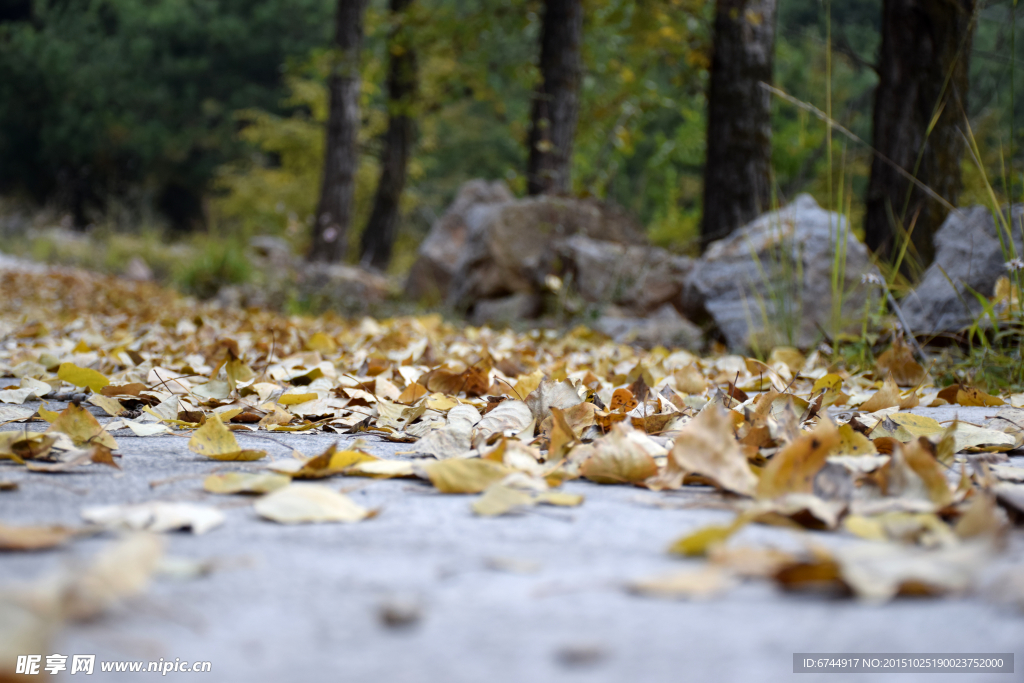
point(471, 475)
point(82, 377)
point(82, 427)
point(698, 543)
point(322, 343)
point(295, 399)
point(304, 503)
point(111, 406)
point(245, 482)
point(852, 442)
point(792, 470)
point(886, 397)
point(215, 441)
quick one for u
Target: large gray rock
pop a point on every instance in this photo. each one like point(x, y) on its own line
point(968, 254)
point(638, 278)
point(663, 327)
point(770, 282)
point(439, 254)
point(511, 247)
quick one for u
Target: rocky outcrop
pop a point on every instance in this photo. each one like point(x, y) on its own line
point(440, 253)
point(637, 278)
point(511, 247)
point(770, 282)
point(662, 327)
point(968, 258)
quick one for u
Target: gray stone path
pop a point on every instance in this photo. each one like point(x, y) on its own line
point(536, 597)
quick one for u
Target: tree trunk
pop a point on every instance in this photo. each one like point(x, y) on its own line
point(556, 102)
point(737, 172)
point(334, 212)
point(379, 236)
point(923, 68)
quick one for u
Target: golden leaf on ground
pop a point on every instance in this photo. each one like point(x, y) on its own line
point(792, 470)
point(412, 393)
point(703, 583)
point(156, 516)
point(306, 503)
point(79, 424)
point(111, 406)
point(886, 397)
point(853, 443)
point(215, 441)
point(559, 394)
point(906, 427)
point(471, 475)
point(381, 469)
point(501, 499)
point(245, 482)
point(510, 418)
point(701, 541)
point(619, 458)
point(20, 446)
point(706, 446)
point(34, 537)
point(295, 398)
point(330, 462)
point(82, 377)
point(926, 476)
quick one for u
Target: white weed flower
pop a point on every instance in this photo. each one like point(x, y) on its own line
point(871, 279)
point(1014, 265)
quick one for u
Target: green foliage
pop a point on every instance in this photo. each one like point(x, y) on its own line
point(102, 98)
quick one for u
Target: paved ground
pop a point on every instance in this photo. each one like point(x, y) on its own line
point(530, 598)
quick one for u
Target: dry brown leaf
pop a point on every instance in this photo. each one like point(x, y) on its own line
point(792, 470)
point(245, 482)
point(34, 537)
point(706, 446)
point(699, 584)
point(619, 457)
point(155, 516)
point(215, 441)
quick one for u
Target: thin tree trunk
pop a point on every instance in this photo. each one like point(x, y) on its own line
point(556, 102)
point(379, 236)
point(923, 69)
point(334, 212)
point(737, 172)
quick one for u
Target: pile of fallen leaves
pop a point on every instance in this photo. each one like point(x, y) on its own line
point(798, 441)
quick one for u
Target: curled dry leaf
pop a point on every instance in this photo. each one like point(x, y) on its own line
point(620, 457)
point(792, 470)
point(156, 516)
point(707, 446)
point(306, 503)
point(558, 394)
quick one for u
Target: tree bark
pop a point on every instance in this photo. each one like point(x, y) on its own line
point(556, 102)
point(923, 68)
point(334, 212)
point(737, 172)
point(379, 236)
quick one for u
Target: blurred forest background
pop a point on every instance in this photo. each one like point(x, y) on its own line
point(204, 119)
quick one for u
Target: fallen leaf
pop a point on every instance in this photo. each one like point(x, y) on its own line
point(214, 440)
point(156, 516)
point(707, 446)
point(34, 537)
point(695, 585)
point(306, 503)
point(619, 458)
point(82, 377)
point(245, 482)
point(471, 475)
point(792, 470)
point(79, 424)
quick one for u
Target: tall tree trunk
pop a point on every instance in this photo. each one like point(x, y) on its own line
point(556, 102)
point(379, 236)
point(737, 172)
point(923, 69)
point(334, 212)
